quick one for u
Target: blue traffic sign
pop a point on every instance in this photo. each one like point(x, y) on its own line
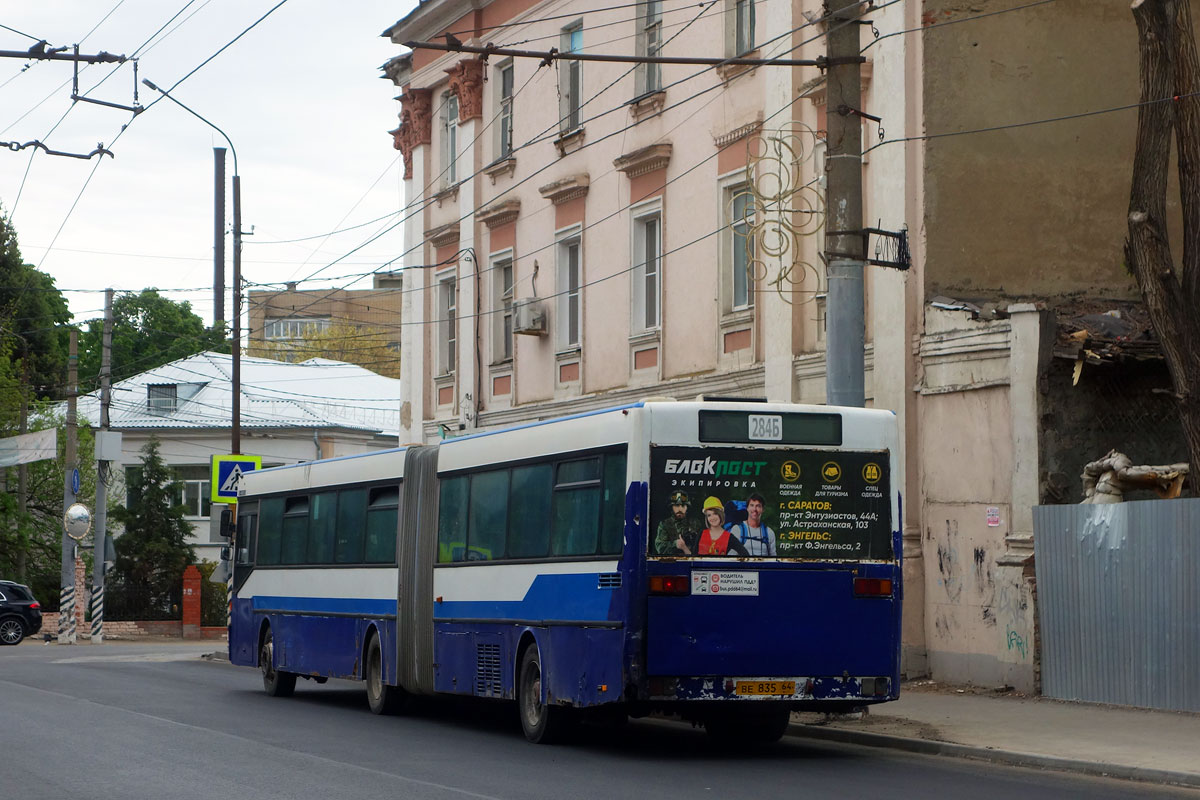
point(227, 472)
point(75, 481)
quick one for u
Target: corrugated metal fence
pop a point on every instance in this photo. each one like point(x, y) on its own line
point(1118, 590)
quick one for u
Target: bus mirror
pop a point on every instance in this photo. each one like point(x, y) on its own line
point(224, 553)
point(226, 523)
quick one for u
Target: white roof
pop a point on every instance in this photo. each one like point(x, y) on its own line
point(318, 393)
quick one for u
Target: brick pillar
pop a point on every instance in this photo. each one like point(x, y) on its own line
point(82, 593)
point(191, 603)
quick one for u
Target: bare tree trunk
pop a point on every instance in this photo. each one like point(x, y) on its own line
point(1169, 68)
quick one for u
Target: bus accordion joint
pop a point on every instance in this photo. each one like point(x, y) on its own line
point(670, 584)
point(872, 587)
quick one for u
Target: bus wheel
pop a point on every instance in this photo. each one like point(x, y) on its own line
point(745, 727)
point(543, 723)
point(276, 682)
point(382, 699)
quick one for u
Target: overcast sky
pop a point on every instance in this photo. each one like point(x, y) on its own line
point(300, 96)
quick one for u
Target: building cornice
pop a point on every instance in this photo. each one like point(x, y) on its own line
point(645, 160)
point(443, 235)
point(499, 213)
point(566, 189)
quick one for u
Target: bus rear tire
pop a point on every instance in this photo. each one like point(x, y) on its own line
point(743, 727)
point(276, 682)
point(543, 723)
point(382, 699)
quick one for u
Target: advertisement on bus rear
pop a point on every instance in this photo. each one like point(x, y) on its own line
point(736, 502)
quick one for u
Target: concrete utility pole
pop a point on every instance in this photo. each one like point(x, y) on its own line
point(100, 531)
point(66, 594)
point(844, 240)
point(236, 344)
point(23, 469)
point(218, 235)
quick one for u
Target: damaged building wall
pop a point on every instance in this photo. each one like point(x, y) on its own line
point(974, 422)
point(1034, 211)
point(1123, 404)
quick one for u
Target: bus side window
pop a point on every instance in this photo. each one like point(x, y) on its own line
point(381, 524)
point(247, 529)
point(452, 520)
point(576, 508)
point(487, 519)
point(270, 531)
point(351, 526)
point(322, 526)
point(295, 530)
point(612, 523)
point(529, 511)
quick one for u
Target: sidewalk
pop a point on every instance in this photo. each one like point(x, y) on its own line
point(1117, 741)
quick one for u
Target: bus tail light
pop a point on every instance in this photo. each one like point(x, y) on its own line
point(669, 584)
point(872, 587)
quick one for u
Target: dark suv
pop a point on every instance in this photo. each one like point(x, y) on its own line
point(20, 614)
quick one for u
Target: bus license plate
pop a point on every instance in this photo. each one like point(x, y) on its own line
point(765, 428)
point(765, 688)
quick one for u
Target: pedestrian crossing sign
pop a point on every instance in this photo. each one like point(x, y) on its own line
point(227, 472)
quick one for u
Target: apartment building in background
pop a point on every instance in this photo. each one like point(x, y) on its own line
point(594, 233)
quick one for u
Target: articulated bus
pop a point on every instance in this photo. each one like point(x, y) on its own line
point(722, 562)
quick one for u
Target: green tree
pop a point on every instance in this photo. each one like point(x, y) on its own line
point(149, 330)
point(33, 321)
point(153, 551)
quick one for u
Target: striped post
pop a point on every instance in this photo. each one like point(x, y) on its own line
point(66, 615)
point(97, 614)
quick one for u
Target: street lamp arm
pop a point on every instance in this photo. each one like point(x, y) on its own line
point(165, 94)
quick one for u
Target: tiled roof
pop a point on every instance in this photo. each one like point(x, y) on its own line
point(317, 393)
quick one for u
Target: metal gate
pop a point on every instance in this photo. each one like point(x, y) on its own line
point(1118, 590)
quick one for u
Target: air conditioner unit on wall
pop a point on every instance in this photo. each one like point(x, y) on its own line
point(529, 317)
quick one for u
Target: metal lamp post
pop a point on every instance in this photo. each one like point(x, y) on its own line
point(236, 347)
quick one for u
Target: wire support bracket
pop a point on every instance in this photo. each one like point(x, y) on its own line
point(100, 150)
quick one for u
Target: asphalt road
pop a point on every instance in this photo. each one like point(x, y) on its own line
point(158, 721)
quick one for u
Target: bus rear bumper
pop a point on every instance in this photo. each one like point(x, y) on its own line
point(839, 689)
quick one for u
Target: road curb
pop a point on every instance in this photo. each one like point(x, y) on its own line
point(1010, 757)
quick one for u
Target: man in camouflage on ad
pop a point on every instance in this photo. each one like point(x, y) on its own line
point(677, 535)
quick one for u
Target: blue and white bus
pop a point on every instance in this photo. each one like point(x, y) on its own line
point(725, 562)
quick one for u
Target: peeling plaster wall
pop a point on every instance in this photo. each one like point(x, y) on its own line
point(979, 618)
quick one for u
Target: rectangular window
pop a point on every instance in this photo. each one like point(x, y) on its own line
point(504, 112)
point(502, 306)
point(529, 511)
point(322, 528)
point(295, 530)
point(447, 324)
point(647, 271)
point(612, 523)
point(161, 399)
point(743, 26)
point(270, 531)
point(488, 516)
point(452, 519)
point(568, 298)
point(195, 494)
point(351, 526)
point(739, 246)
point(649, 44)
point(449, 139)
point(382, 525)
point(293, 328)
point(576, 515)
point(571, 80)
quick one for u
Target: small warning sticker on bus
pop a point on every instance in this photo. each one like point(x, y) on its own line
point(721, 582)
